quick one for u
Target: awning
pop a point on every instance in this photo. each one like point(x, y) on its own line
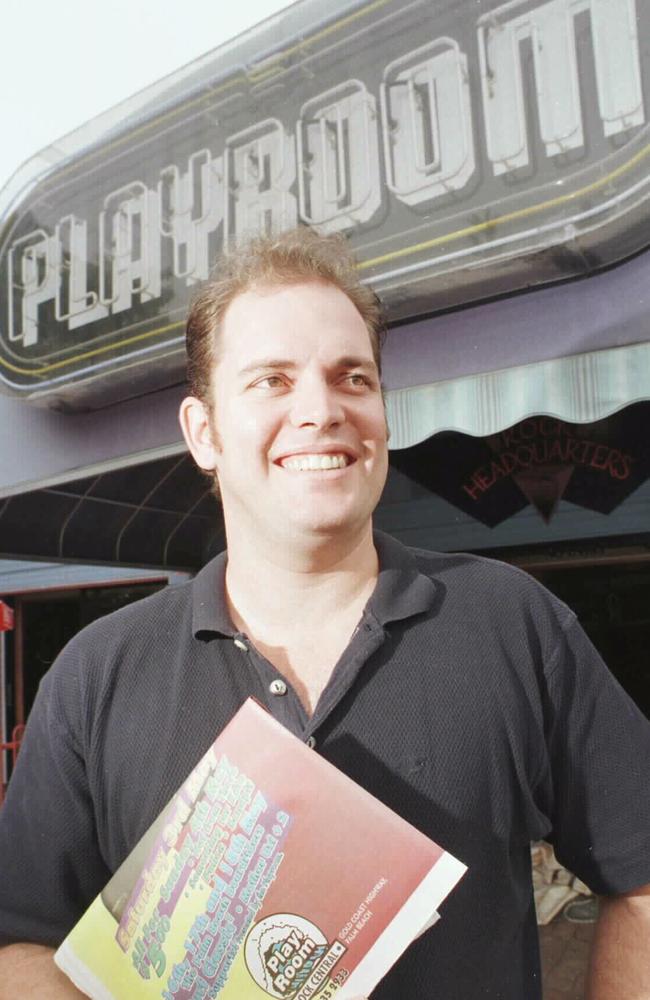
point(579, 389)
point(158, 514)
point(30, 577)
point(609, 309)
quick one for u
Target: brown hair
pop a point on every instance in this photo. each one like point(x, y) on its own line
point(290, 257)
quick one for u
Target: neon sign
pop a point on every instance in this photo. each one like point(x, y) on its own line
point(460, 152)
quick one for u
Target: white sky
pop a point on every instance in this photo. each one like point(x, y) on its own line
point(64, 62)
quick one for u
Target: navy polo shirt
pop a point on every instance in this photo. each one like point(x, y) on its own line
point(468, 699)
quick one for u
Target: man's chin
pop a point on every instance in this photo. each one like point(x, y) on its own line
point(329, 516)
point(317, 527)
point(321, 527)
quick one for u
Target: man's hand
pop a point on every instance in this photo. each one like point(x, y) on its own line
point(620, 958)
point(28, 972)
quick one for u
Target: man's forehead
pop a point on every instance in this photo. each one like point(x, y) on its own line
point(291, 322)
point(258, 299)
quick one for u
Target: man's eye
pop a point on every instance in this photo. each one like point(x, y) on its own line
point(357, 379)
point(270, 382)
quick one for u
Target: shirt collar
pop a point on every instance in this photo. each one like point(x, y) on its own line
point(401, 590)
point(209, 606)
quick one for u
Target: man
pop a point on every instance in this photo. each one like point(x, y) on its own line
point(454, 688)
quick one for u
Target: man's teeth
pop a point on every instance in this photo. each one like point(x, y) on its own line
point(312, 463)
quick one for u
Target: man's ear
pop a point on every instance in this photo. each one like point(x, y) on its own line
point(197, 431)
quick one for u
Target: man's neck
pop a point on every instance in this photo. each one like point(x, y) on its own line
point(299, 586)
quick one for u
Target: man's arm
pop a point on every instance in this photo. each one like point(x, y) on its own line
point(620, 958)
point(28, 971)
point(51, 863)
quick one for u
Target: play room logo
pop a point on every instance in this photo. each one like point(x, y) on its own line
point(289, 957)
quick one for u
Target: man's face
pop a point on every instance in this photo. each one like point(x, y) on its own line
point(299, 426)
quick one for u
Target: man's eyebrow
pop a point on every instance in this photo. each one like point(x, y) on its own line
point(273, 364)
point(265, 365)
point(354, 362)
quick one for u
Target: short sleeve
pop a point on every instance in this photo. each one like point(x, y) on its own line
point(50, 863)
point(599, 750)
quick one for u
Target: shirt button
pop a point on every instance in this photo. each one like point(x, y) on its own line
point(240, 644)
point(278, 686)
point(311, 742)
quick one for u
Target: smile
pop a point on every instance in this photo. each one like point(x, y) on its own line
point(314, 463)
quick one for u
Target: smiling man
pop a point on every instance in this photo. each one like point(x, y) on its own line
point(454, 688)
point(293, 426)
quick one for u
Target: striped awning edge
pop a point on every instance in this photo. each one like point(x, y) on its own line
point(579, 389)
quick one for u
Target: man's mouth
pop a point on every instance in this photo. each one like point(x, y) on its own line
point(315, 463)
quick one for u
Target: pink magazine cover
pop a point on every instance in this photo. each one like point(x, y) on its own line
point(270, 873)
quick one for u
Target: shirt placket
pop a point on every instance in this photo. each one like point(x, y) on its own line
point(281, 697)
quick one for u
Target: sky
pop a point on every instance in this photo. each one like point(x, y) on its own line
point(63, 63)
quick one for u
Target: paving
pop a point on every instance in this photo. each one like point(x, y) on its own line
point(565, 952)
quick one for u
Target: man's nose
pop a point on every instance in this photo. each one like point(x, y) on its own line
point(315, 403)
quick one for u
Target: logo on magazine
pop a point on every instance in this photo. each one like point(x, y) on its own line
point(289, 957)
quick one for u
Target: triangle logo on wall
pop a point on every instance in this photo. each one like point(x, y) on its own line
point(544, 486)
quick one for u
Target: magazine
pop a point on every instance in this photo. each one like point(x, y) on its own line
point(270, 873)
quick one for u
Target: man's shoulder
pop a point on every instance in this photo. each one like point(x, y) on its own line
point(492, 583)
point(141, 624)
point(127, 647)
point(468, 565)
point(144, 613)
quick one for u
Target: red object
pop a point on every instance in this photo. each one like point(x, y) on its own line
point(6, 617)
point(13, 747)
